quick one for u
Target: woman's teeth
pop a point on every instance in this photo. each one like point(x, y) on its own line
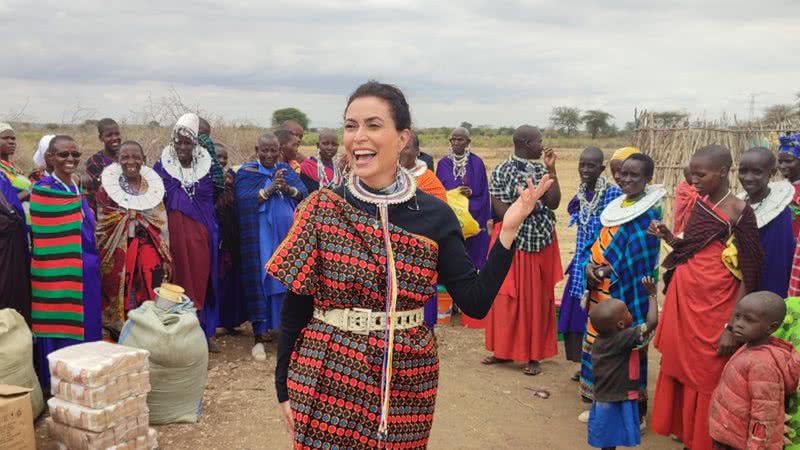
point(363, 155)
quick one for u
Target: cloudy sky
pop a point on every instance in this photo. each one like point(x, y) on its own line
point(485, 61)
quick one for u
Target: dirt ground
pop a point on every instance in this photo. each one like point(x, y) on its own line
point(478, 407)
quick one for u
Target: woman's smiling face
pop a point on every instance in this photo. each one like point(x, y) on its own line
point(372, 142)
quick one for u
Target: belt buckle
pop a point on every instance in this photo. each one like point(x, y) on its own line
point(359, 324)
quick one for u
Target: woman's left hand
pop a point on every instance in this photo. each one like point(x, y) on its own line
point(522, 208)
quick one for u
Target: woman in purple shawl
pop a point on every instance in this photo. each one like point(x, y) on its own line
point(770, 202)
point(465, 171)
point(193, 233)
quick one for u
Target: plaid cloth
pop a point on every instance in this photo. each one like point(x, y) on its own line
point(217, 175)
point(94, 167)
point(706, 224)
point(538, 230)
point(256, 287)
point(794, 280)
point(585, 236)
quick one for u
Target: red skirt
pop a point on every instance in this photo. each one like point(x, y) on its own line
point(191, 260)
point(699, 301)
point(522, 322)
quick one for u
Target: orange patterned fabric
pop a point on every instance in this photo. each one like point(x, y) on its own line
point(428, 183)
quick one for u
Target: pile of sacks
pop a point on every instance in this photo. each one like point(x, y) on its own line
point(100, 398)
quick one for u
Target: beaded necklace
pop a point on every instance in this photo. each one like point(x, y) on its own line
point(322, 175)
point(459, 163)
point(400, 191)
point(588, 208)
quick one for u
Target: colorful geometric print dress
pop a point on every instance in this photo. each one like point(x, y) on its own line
point(334, 256)
point(335, 253)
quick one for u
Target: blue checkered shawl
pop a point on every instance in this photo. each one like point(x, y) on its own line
point(585, 236)
point(633, 254)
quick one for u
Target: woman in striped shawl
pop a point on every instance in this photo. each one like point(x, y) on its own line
point(65, 266)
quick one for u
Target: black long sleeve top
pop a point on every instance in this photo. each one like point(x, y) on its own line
point(425, 215)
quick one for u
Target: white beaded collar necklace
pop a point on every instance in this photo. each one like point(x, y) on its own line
point(401, 191)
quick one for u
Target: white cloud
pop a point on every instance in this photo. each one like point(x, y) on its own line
point(495, 62)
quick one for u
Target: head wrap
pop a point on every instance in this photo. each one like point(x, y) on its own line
point(623, 153)
point(41, 149)
point(790, 144)
point(5, 127)
point(187, 126)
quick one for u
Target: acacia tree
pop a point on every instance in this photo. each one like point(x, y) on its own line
point(566, 119)
point(281, 115)
point(596, 122)
point(778, 114)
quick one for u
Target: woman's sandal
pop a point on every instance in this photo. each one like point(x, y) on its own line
point(490, 360)
point(532, 369)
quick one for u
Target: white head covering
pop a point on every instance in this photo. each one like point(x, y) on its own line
point(5, 127)
point(41, 149)
point(187, 125)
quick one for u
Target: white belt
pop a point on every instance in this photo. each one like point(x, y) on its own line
point(362, 321)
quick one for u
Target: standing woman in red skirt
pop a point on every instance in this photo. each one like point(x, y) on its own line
point(357, 367)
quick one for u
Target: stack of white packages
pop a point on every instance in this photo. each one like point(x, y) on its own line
point(100, 398)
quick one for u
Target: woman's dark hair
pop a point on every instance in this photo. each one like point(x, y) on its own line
point(649, 165)
point(51, 148)
point(104, 123)
point(391, 95)
point(134, 143)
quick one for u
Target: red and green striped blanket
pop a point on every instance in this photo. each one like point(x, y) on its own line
point(56, 264)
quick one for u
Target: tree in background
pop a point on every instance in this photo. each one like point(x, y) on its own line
point(596, 122)
point(466, 125)
point(566, 119)
point(281, 115)
point(778, 114)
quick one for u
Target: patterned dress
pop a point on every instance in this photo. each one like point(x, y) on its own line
point(331, 254)
point(334, 256)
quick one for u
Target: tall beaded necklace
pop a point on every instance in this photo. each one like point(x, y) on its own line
point(459, 163)
point(588, 208)
point(322, 175)
point(401, 191)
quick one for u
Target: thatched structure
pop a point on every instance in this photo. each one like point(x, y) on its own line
point(671, 147)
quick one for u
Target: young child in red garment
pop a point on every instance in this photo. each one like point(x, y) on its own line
point(614, 417)
point(747, 407)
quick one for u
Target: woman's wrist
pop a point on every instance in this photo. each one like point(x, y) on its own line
point(507, 236)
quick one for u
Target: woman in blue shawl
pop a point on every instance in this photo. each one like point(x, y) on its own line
point(621, 256)
point(267, 192)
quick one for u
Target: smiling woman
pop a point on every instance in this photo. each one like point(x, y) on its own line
point(185, 168)
point(132, 235)
point(357, 367)
point(65, 268)
point(621, 256)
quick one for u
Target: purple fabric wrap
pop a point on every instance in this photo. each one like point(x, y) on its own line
point(201, 210)
point(479, 204)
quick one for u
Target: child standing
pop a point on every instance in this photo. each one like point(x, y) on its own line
point(747, 407)
point(614, 418)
